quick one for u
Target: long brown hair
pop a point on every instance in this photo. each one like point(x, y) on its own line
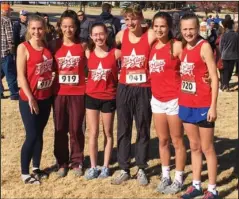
point(70, 14)
point(169, 21)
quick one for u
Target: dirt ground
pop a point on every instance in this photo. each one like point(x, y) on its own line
point(226, 140)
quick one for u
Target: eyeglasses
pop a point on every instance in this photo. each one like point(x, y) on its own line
point(80, 15)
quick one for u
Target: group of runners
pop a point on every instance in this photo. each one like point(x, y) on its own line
point(159, 77)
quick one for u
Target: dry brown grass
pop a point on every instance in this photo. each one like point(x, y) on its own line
point(226, 139)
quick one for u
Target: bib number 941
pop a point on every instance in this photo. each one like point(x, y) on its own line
point(135, 78)
point(68, 79)
point(188, 87)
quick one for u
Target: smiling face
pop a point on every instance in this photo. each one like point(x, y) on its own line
point(99, 35)
point(132, 22)
point(189, 30)
point(36, 30)
point(160, 28)
point(68, 27)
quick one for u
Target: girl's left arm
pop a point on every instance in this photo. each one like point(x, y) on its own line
point(208, 57)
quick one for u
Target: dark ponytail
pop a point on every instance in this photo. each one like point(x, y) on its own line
point(70, 14)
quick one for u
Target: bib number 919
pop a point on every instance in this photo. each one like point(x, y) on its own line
point(68, 79)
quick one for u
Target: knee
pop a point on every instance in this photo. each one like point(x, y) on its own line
point(195, 147)
point(178, 143)
point(207, 150)
point(164, 143)
point(31, 140)
point(108, 135)
point(94, 134)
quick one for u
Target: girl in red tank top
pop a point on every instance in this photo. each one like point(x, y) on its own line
point(100, 96)
point(69, 102)
point(198, 103)
point(35, 75)
point(164, 66)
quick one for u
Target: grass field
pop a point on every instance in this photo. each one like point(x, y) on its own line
point(226, 141)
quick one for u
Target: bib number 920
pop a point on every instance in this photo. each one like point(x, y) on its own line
point(68, 79)
point(189, 87)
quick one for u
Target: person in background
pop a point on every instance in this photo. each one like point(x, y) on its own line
point(212, 37)
point(85, 25)
point(8, 67)
point(51, 32)
point(198, 105)
point(112, 23)
point(175, 25)
point(35, 74)
point(57, 29)
point(20, 28)
point(217, 19)
point(209, 19)
point(218, 56)
point(204, 28)
point(100, 96)
point(236, 29)
point(229, 49)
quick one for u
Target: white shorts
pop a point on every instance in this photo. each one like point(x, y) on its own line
point(170, 107)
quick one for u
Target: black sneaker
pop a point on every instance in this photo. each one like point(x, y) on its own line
point(40, 174)
point(3, 97)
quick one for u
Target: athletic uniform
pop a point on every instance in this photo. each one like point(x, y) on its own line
point(195, 94)
point(102, 82)
point(69, 104)
point(40, 78)
point(165, 80)
point(133, 101)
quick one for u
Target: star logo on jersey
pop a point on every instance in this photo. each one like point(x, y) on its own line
point(133, 60)
point(68, 61)
point(44, 66)
point(186, 67)
point(156, 65)
point(99, 73)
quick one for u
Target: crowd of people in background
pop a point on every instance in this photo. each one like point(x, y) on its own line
point(167, 72)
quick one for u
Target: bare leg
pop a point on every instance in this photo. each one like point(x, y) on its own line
point(108, 122)
point(93, 117)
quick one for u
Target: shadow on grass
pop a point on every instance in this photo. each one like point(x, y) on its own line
point(226, 150)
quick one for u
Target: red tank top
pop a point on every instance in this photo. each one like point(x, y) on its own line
point(194, 92)
point(70, 63)
point(134, 59)
point(39, 73)
point(102, 76)
point(164, 73)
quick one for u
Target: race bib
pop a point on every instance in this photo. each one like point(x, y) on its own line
point(135, 77)
point(66, 78)
point(188, 87)
point(44, 83)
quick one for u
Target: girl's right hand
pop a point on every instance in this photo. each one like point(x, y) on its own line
point(33, 106)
